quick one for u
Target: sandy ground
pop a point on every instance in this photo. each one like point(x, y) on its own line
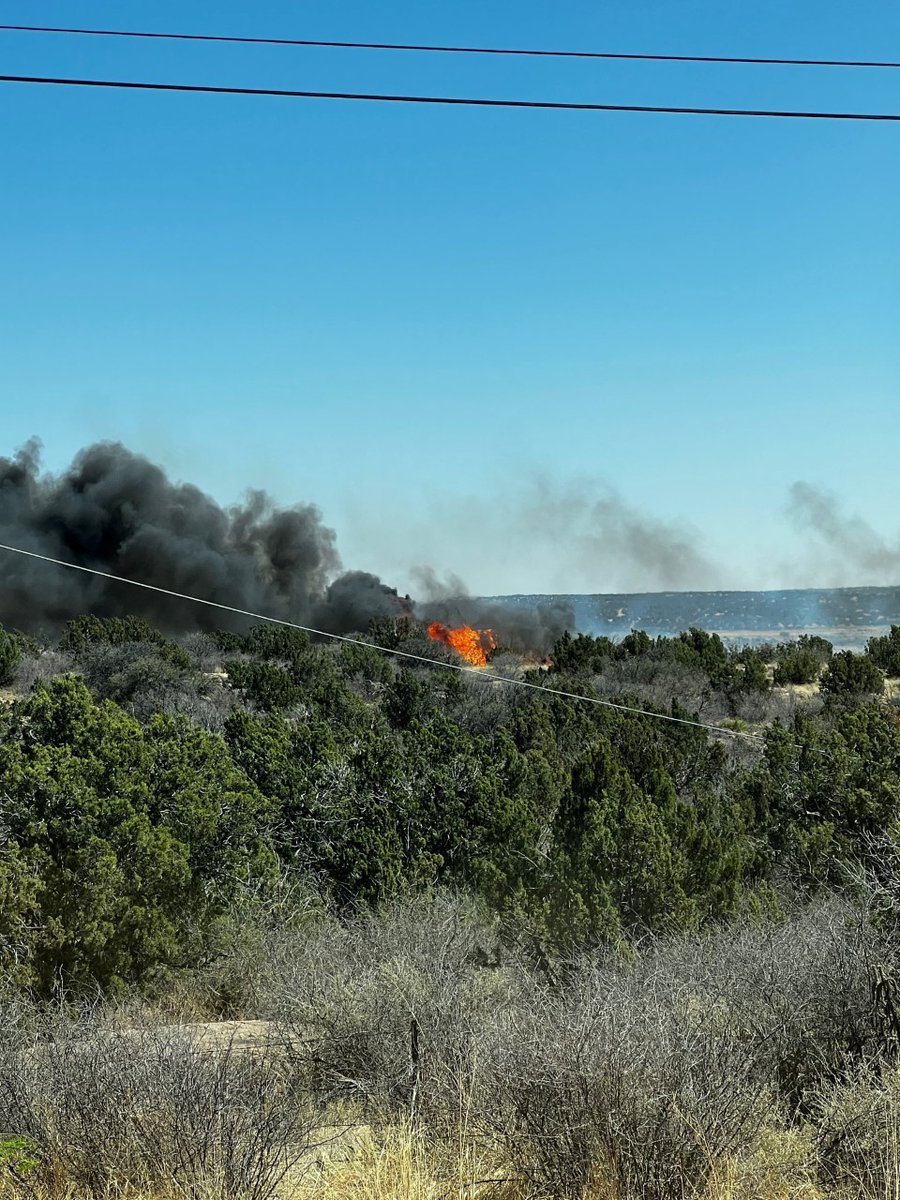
point(239, 1035)
point(214, 1035)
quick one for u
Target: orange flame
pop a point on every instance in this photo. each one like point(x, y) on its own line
point(471, 644)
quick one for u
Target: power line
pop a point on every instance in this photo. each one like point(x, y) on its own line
point(478, 672)
point(441, 49)
point(465, 101)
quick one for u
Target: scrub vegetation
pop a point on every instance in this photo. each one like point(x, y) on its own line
point(282, 917)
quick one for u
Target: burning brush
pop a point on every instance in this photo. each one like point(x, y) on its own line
point(473, 645)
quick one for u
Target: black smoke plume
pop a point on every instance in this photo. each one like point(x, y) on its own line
point(115, 511)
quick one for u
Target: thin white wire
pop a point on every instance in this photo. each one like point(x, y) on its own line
point(478, 672)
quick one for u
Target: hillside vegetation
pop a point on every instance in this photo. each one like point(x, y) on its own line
point(487, 932)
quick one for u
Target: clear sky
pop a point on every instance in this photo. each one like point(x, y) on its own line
point(522, 347)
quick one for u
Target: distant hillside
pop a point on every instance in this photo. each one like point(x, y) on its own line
point(846, 616)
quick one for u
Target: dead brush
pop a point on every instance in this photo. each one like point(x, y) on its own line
point(385, 1007)
point(858, 1136)
point(804, 992)
point(620, 1087)
point(152, 1110)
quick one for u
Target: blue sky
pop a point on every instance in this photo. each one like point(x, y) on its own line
point(478, 340)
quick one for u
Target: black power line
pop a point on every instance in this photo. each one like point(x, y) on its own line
point(466, 101)
point(439, 49)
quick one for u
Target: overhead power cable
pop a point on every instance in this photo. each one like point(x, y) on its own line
point(504, 51)
point(464, 101)
point(479, 672)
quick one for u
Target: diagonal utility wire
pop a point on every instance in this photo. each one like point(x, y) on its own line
point(451, 49)
point(464, 101)
point(478, 672)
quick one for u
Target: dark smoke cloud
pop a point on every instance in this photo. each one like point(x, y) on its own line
point(355, 599)
point(853, 552)
point(115, 511)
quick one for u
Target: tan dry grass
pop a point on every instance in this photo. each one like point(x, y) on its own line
point(781, 1166)
point(400, 1163)
point(805, 693)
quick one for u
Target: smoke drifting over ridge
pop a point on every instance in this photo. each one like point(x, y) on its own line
point(852, 552)
point(533, 531)
point(603, 529)
point(113, 510)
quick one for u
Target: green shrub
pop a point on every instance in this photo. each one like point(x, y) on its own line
point(19, 1157)
point(129, 838)
point(266, 685)
point(88, 631)
point(801, 661)
point(9, 655)
point(852, 674)
point(276, 643)
point(797, 667)
point(885, 651)
point(581, 654)
point(752, 675)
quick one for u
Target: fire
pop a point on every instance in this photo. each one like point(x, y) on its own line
point(471, 644)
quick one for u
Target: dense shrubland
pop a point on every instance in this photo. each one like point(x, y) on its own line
point(147, 784)
point(608, 954)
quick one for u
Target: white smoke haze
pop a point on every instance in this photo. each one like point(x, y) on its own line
point(542, 534)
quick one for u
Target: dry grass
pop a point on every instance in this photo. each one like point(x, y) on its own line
point(402, 1163)
point(781, 1165)
point(399, 1163)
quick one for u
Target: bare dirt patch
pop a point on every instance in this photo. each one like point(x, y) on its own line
point(239, 1035)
